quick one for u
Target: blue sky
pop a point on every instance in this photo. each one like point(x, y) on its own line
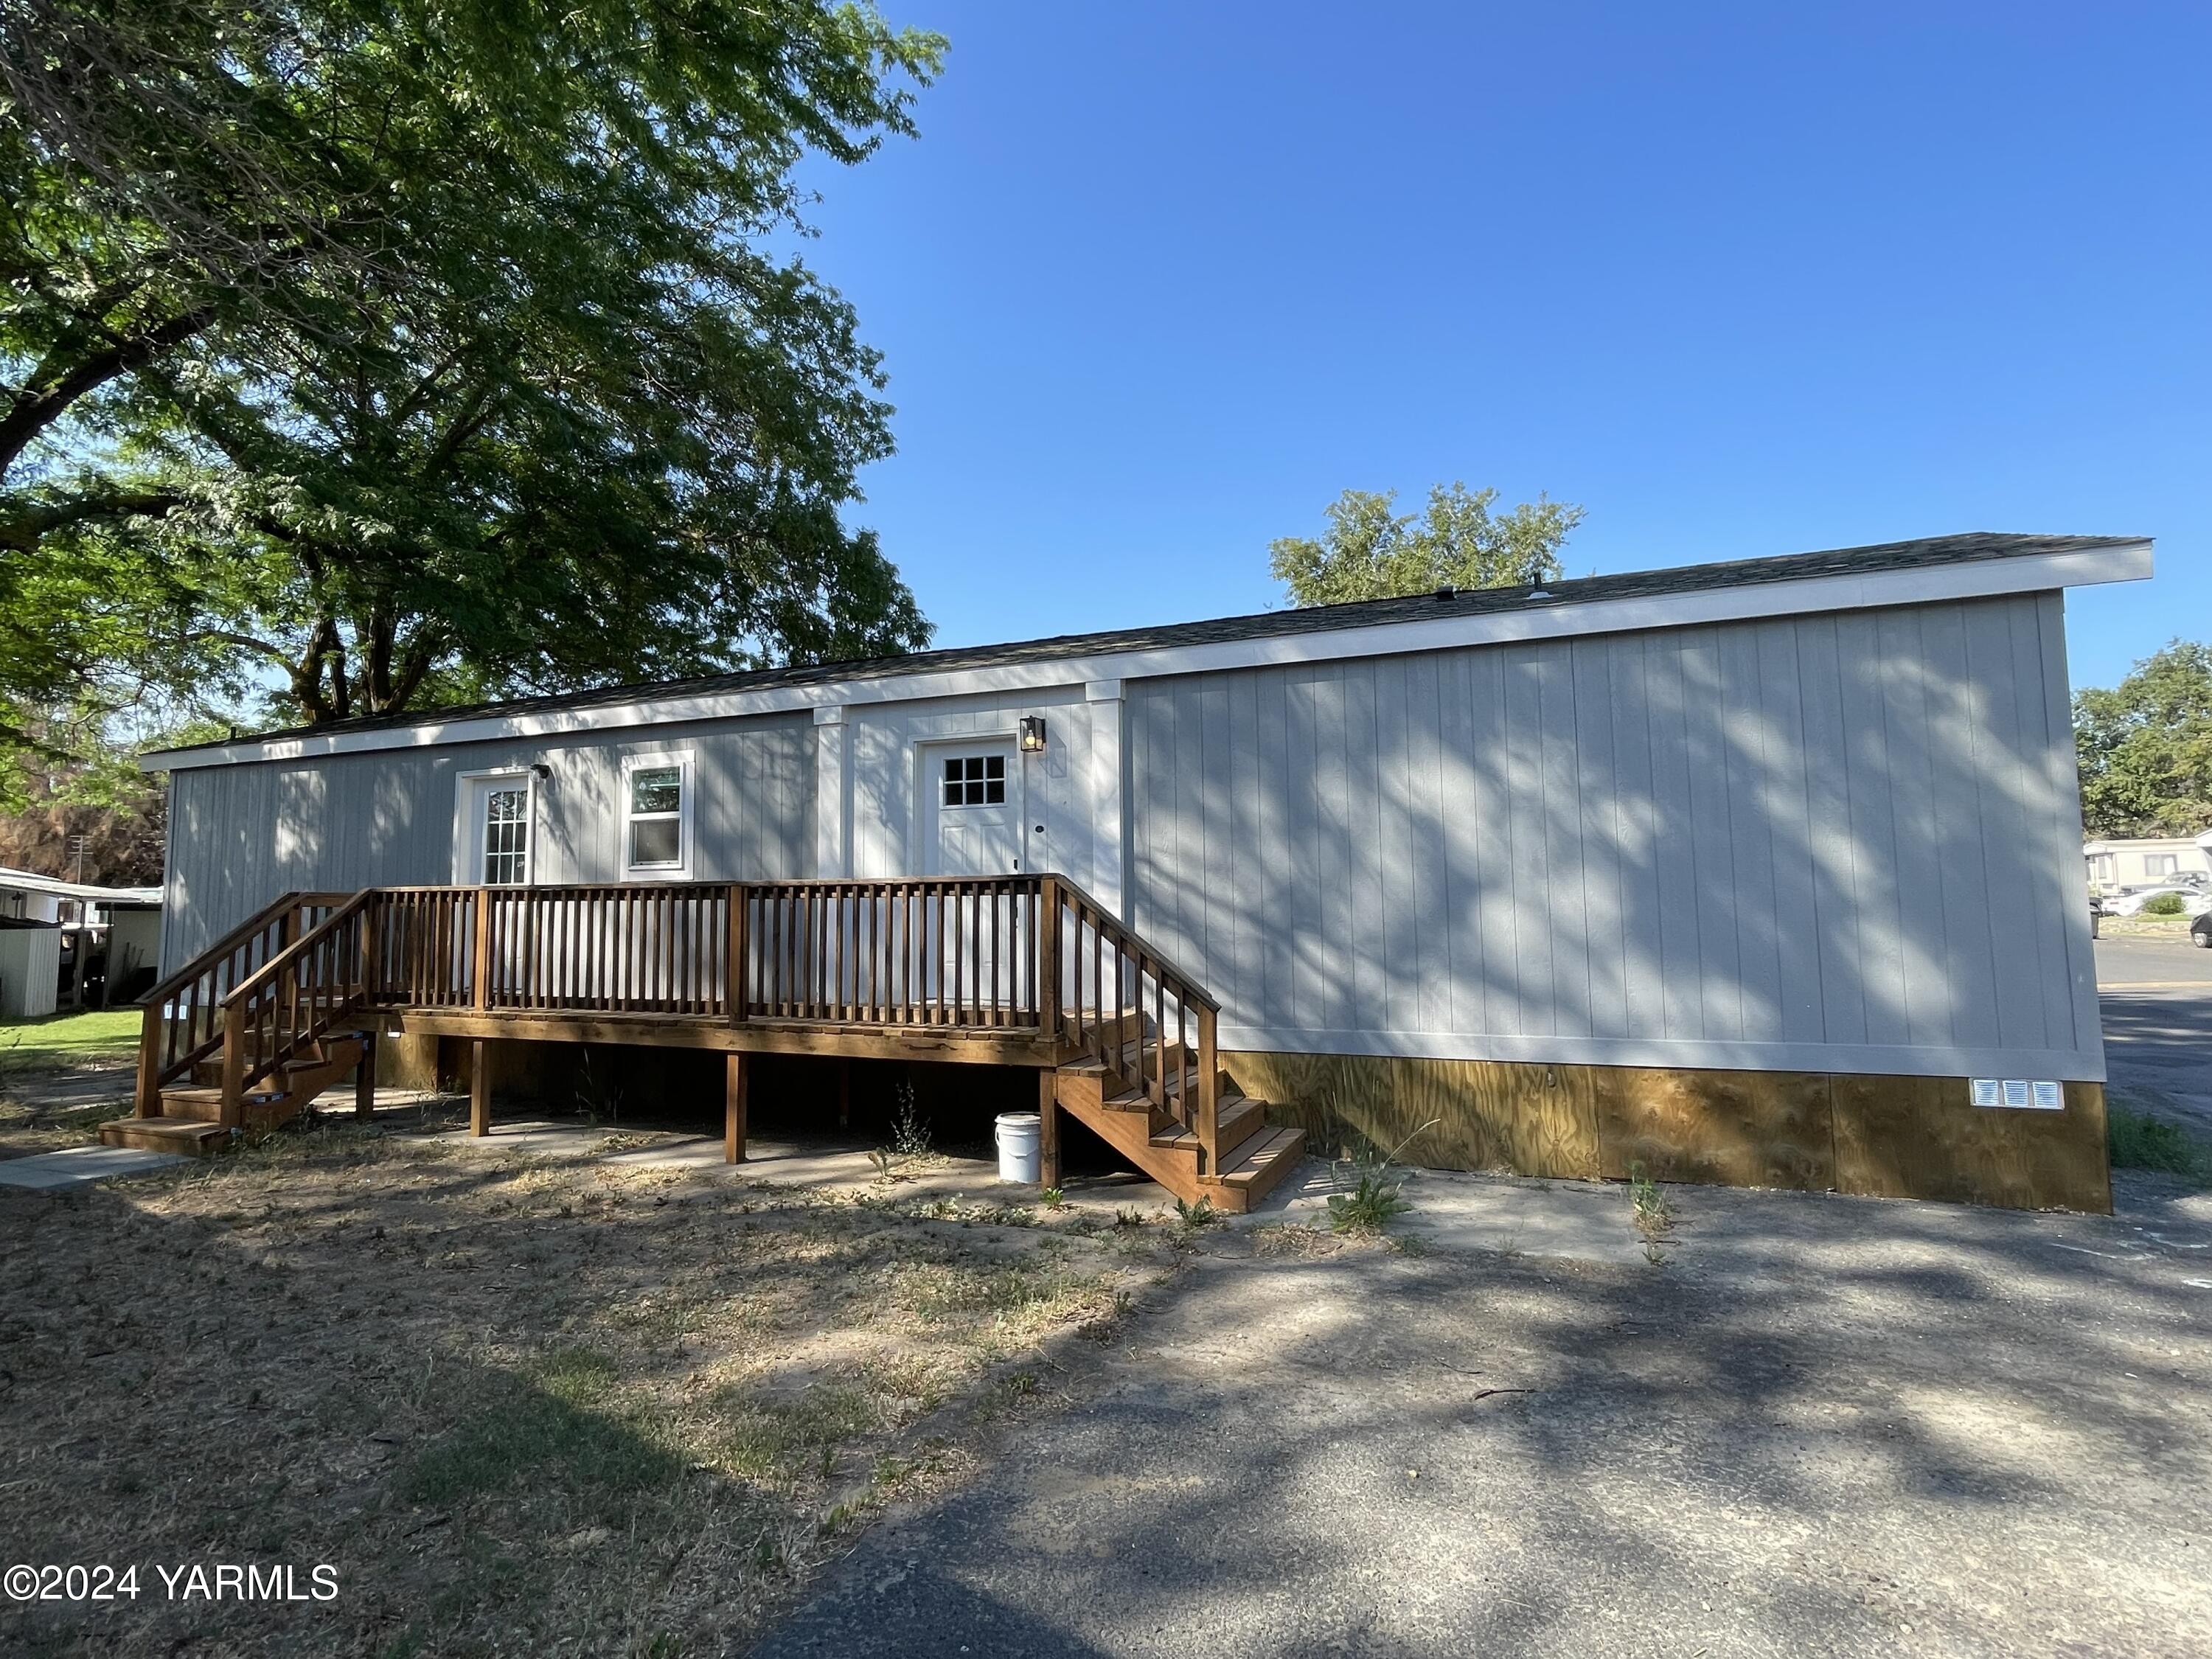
point(1155, 283)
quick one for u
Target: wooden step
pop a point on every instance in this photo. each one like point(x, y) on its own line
point(1260, 1165)
point(189, 1136)
point(200, 1105)
point(1083, 1085)
point(1237, 1122)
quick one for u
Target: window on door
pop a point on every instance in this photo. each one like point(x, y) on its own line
point(506, 835)
point(975, 781)
point(656, 796)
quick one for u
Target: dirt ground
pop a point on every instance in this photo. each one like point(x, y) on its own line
point(520, 1405)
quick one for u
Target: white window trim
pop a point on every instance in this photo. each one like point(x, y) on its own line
point(468, 831)
point(686, 779)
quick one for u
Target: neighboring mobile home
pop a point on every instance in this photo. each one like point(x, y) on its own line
point(1766, 872)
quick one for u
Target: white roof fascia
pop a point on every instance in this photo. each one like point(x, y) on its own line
point(1933, 584)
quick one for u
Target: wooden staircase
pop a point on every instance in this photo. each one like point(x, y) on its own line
point(1253, 1159)
point(1144, 1076)
point(243, 1037)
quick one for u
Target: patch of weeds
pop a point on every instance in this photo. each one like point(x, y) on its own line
point(765, 1438)
point(910, 1134)
point(1655, 1215)
point(1201, 1214)
point(1288, 1238)
point(558, 1423)
point(1378, 1199)
point(1128, 1220)
point(1052, 1197)
point(1369, 1208)
point(2136, 1140)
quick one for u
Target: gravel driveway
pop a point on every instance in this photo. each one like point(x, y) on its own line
point(1826, 1426)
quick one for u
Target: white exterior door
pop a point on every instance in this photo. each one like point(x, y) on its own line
point(974, 796)
point(497, 834)
point(974, 810)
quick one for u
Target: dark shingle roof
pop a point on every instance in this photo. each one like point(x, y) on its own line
point(1971, 549)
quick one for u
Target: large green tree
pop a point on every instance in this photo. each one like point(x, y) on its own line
point(375, 350)
point(1372, 551)
point(2145, 747)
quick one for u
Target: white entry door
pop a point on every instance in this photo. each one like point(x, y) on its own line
point(975, 796)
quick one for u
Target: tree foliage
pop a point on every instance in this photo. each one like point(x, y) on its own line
point(2145, 747)
point(1371, 551)
point(384, 349)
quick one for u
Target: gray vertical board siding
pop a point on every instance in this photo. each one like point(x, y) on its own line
point(240, 836)
point(1841, 842)
point(885, 744)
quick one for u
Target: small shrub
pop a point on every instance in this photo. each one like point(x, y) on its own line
point(2136, 1142)
point(1369, 1208)
point(2163, 904)
point(1052, 1197)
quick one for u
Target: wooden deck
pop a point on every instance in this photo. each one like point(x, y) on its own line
point(1018, 971)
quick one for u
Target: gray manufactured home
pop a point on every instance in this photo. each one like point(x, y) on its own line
point(1766, 872)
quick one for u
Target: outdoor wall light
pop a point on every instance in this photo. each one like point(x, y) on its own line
point(1032, 734)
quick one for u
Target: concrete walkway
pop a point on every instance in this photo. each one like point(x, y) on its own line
point(80, 1166)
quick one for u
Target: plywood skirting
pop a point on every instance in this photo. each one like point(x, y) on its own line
point(1446, 1114)
point(1883, 1136)
point(1922, 1137)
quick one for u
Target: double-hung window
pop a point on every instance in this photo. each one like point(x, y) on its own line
point(657, 794)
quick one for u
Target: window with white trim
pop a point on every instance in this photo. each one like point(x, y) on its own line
point(657, 794)
point(974, 780)
point(2162, 864)
point(2100, 866)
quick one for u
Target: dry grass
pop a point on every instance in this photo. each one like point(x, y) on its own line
point(528, 1408)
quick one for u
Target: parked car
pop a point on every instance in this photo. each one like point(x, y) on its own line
point(2200, 931)
point(2193, 899)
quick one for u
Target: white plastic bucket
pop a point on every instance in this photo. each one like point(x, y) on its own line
point(1020, 1151)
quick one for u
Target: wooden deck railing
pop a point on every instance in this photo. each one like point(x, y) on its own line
point(312, 985)
point(183, 1020)
point(1005, 953)
point(1114, 997)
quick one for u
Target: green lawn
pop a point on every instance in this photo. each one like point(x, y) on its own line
point(69, 1040)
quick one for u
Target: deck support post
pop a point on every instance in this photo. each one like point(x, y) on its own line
point(1048, 1128)
point(151, 1030)
point(479, 1088)
point(233, 1064)
point(734, 1082)
point(364, 1078)
point(844, 1092)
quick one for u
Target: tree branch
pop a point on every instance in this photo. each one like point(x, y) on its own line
point(54, 386)
point(22, 530)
